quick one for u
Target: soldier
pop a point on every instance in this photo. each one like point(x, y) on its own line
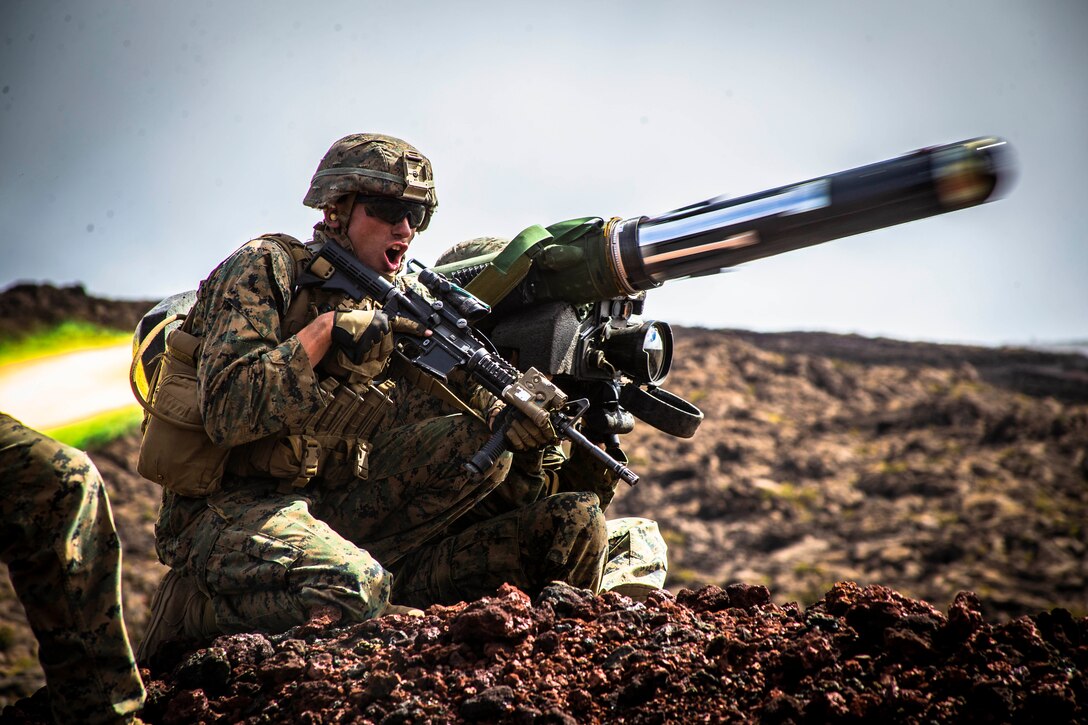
point(64, 558)
point(508, 535)
point(326, 490)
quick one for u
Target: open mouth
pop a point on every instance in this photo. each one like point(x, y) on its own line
point(395, 254)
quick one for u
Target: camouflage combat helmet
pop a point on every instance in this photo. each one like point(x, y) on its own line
point(471, 248)
point(377, 165)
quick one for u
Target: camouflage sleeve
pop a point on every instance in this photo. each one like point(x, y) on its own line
point(253, 383)
point(473, 394)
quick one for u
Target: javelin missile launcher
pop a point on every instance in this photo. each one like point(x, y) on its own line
point(567, 299)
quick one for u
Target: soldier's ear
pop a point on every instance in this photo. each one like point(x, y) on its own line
point(332, 218)
point(338, 214)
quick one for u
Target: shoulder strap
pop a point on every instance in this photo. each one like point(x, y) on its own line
point(300, 312)
point(300, 254)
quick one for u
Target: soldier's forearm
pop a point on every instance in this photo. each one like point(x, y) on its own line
point(258, 393)
point(316, 337)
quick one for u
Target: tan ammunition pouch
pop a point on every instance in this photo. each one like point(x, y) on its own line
point(334, 443)
point(176, 451)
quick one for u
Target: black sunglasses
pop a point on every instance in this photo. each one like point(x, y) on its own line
point(392, 211)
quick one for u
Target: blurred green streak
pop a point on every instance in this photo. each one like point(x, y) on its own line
point(98, 430)
point(61, 338)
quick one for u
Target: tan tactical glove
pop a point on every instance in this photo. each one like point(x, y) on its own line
point(364, 339)
point(523, 434)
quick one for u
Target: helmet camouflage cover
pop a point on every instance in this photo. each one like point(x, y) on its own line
point(376, 165)
point(471, 248)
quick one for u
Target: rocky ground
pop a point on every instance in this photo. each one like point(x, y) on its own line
point(711, 655)
point(928, 468)
point(839, 496)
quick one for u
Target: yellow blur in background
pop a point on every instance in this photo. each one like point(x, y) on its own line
point(71, 383)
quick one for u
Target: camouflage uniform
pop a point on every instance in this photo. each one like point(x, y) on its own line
point(64, 557)
point(545, 521)
point(267, 554)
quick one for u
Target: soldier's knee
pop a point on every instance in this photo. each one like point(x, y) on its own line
point(371, 586)
point(577, 510)
point(62, 465)
point(358, 585)
point(570, 530)
point(596, 529)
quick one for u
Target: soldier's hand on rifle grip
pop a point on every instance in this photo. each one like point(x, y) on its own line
point(364, 338)
point(361, 335)
point(523, 434)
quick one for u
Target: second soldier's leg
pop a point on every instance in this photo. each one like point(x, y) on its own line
point(559, 538)
point(62, 549)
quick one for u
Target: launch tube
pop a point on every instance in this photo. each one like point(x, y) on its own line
point(589, 260)
point(712, 235)
point(567, 299)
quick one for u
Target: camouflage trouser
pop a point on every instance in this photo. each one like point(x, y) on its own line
point(560, 537)
point(267, 560)
point(59, 542)
point(268, 563)
point(520, 535)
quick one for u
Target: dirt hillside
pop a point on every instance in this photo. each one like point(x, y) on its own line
point(840, 494)
point(927, 468)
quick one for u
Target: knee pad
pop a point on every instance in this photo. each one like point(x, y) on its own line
point(637, 558)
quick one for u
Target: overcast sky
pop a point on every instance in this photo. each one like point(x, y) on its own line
point(142, 141)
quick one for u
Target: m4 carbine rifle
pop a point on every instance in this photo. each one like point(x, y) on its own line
point(567, 299)
point(453, 344)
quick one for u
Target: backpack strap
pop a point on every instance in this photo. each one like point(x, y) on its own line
point(299, 253)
